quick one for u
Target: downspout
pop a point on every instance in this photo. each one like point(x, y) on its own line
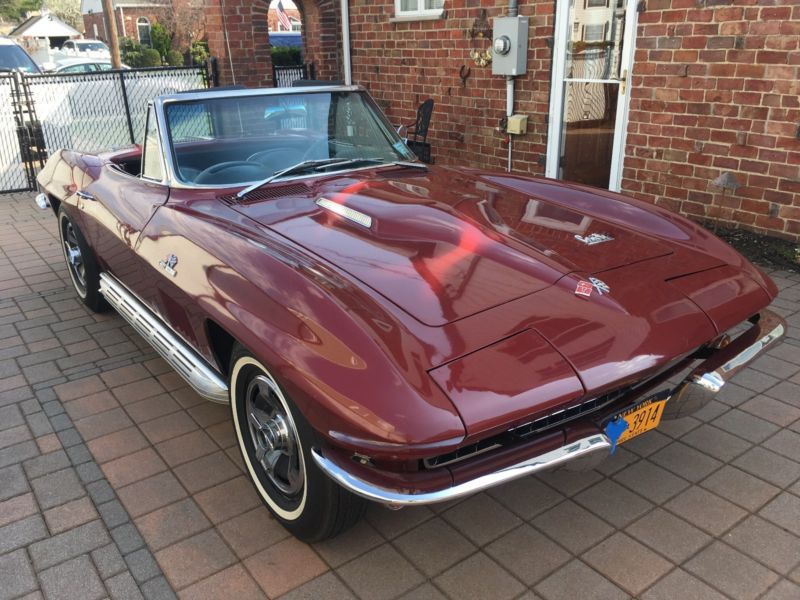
point(227, 41)
point(348, 75)
point(513, 11)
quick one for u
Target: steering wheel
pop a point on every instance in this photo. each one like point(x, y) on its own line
point(276, 159)
point(234, 171)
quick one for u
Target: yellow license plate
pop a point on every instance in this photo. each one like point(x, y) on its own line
point(642, 418)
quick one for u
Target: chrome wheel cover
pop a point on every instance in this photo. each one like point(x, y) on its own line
point(274, 437)
point(73, 256)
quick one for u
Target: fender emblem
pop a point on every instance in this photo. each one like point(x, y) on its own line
point(594, 238)
point(599, 286)
point(584, 288)
point(168, 264)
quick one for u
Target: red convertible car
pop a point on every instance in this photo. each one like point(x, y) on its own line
point(387, 330)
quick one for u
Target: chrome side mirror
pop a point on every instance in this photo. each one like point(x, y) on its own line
point(402, 131)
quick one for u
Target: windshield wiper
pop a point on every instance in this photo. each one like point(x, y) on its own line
point(301, 166)
point(377, 161)
point(324, 163)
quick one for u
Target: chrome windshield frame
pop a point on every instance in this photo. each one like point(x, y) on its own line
point(162, 102)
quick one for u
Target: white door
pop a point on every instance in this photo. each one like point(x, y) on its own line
point(592, 64)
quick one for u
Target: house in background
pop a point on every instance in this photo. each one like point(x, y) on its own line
point(40, 33)
point(692, 105)
point(134, 18)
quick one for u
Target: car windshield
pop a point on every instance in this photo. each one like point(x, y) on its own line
point(244, 139)
point(14, 58)
point(90, 46)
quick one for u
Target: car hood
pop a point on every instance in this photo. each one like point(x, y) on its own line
point(444, 244)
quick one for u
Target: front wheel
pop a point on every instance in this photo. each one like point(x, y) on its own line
point(274, 440)
point(81, 265)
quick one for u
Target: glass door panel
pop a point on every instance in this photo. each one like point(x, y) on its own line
point(590, 117)
point(589, 107)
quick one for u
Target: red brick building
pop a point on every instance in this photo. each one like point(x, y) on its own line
point(134, 18)
point(708, 98)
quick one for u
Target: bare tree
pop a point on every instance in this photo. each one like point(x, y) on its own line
point(186, 21)
point(68, 11)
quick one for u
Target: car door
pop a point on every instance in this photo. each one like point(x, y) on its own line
point(119, 205)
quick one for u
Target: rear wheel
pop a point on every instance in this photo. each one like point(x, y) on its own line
point(274, 439)
point(81, 265)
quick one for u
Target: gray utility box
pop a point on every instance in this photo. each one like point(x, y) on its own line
point(510, 46)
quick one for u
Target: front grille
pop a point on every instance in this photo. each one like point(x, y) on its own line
point(539, 425)
point(564, 415)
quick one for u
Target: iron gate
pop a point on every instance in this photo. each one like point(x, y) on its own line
point(18, 153)
point(87, 112)
point(285, 75)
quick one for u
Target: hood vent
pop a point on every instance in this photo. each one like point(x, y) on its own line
point(270, 192)
point(345, 212)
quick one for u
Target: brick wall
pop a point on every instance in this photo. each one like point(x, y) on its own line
point(321, 34)
point(715, 90)
point(404, 63)
point(130, 14)
point(248, 40)
point(89, 21)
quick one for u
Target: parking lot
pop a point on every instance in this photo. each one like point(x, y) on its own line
point(117, 480)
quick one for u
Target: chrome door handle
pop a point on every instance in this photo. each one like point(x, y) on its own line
point(85, 195)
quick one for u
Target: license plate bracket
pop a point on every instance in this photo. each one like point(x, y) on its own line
point(636, 420)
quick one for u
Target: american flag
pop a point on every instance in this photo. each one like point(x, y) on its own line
point(283, 17)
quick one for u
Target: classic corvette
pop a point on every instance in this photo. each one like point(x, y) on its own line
point(388, 330)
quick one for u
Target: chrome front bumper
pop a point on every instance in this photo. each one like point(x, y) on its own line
point(590, 451)
point(699, 388)
point(709, 377)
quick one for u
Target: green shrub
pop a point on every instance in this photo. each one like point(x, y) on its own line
point(160, 39)
point(132, 59)
point(286, 56)
point(175, 58)
point(131, 52)
point(198, 52)
point(150, 58)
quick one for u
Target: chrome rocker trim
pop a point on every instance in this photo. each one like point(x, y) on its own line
point(590, 450)
point(180, 356)
point(710, 376)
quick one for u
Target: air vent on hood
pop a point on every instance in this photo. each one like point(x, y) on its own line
point(345, 212)
point(267, 193)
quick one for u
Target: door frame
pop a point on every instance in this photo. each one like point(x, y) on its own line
point(561, 35)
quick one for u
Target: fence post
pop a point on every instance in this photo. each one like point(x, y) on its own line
point(29, 129)
point(127, 106)
point(214, 71)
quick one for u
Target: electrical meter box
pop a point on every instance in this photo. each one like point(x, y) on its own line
point(517, 124)
point(510, 45)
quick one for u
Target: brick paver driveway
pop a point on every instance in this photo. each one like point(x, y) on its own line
point(116, 480)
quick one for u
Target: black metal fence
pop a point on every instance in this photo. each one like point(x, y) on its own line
point(17, 138)
point(285, 75)
point(88, 112)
